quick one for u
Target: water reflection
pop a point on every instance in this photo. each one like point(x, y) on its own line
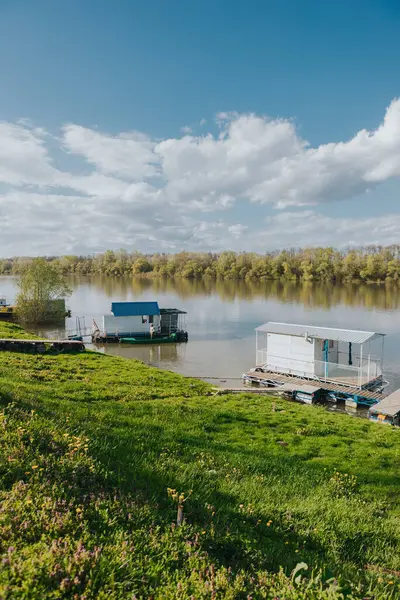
point(383, 296)
point(155, 355)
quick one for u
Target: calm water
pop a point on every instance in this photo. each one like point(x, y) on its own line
point(222, 317)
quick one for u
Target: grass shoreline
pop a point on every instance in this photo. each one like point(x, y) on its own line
point(90, 444)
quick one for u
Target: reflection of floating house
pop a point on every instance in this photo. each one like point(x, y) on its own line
point(142, 322)
point(346, 363)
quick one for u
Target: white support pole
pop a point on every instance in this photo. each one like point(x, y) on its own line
point(369, 363)
point(257, 349)
point(361, 366)
point(265, 353)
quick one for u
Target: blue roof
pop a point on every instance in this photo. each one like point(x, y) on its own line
point(134, 309)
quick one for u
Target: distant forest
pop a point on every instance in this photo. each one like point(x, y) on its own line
point(371, 263)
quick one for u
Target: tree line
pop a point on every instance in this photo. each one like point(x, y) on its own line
point(369, 264)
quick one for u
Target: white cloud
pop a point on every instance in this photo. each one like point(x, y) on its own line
point(128, 155)
point(237, 230)
point(23, 157)
point(309, 228)
point(186, 130)
point(134, 191)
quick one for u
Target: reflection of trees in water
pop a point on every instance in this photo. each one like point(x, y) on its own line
point(313, 295)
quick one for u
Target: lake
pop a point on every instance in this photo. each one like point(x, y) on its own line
point(222, 317)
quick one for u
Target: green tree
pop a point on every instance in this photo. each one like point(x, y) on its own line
point(42, 290)
point(140, 266)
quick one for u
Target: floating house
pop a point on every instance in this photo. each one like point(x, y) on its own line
point(132, 318)
point(57, 310)
point(7, 312)
point(342, 364)
point(347, 356)
point(133, 322)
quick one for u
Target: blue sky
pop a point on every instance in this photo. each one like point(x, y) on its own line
point(326, 69)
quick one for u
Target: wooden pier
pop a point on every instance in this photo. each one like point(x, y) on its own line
point(40, 346)
point(359, 395)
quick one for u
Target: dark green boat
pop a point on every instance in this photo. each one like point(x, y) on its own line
point(165, 339)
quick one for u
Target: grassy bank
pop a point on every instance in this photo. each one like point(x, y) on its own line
point(90, 444)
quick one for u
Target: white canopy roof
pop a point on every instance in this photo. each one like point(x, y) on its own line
point(322, 333)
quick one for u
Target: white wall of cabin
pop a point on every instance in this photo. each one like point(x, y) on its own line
point(131, 324)
point(286, 353)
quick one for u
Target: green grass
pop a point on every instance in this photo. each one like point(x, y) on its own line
point(90, 444)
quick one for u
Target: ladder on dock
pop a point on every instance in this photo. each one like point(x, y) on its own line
point(81, 330)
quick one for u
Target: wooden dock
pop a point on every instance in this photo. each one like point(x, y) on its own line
point(362, 394)
point(40, 346)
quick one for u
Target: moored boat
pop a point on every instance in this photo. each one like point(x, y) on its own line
point(165, 339)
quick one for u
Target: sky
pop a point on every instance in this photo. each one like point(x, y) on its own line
point(168, 125)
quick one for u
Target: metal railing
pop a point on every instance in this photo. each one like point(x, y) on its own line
point(356, 376)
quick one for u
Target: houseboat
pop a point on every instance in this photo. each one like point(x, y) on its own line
point(142, 323)
point(7, 312)
point(56, 312)
point(346, 364)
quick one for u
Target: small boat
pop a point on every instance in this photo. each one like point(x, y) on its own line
point(166, 339)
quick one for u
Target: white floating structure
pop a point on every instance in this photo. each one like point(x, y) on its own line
point(387, 410)
point(347, 357)
point(132, 318)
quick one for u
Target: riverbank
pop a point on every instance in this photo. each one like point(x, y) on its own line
point(91, 443)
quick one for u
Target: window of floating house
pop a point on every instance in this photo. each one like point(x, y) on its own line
point(147, 319)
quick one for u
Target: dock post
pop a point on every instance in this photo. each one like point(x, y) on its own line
point(351, 402)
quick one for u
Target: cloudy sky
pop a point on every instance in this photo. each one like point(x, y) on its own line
point(232, 125)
